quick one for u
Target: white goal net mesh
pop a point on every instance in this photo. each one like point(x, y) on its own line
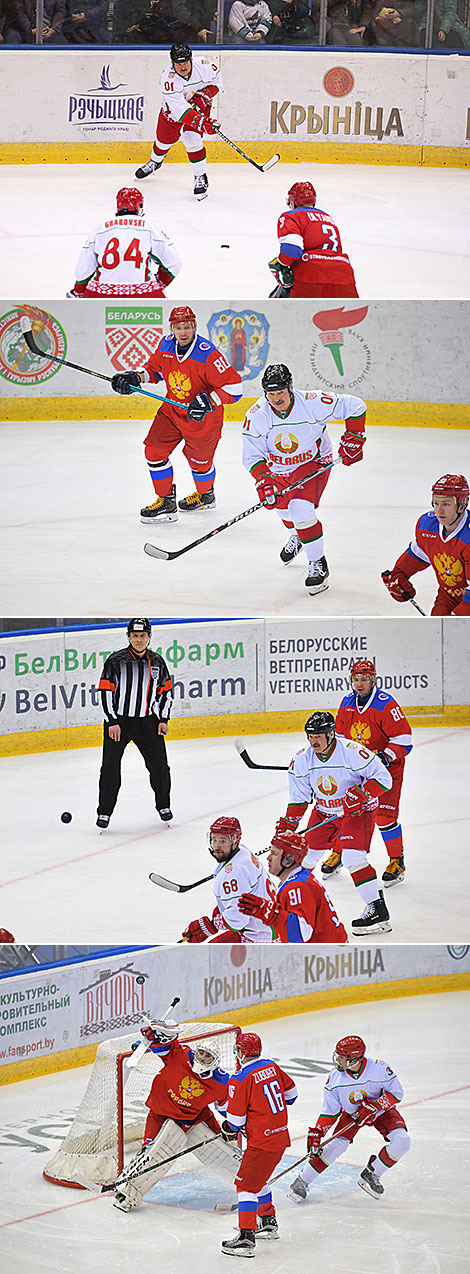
point(112, 1112)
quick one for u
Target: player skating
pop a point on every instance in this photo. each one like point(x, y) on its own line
point(442, 540)
point(188, 87)
point(198, 376)
point(179, 1115)
point(373, 718)
point(311, 261)
point(344, 781)
point(237, 872)
point(302, 910)
point(126, 255)
point(360, 1091)
point(136, 694)
point(257, 1103)
point(285, 438)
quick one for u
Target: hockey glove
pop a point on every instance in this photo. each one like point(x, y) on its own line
point(210, 126)
point(228, 1133)
point(202, 101)
point(263, 908)
point(125, 382)
point(288, 823)
point(351, 447)
point(200, 407)
point(386, 760)
point(399, 586)
point(314, 1137)
point(159, 1033)
point(199, 930)
point(370, 1110)
point(267, 489)
point(355, 801)
point(284, 278)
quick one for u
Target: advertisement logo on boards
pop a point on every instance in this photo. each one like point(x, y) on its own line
point(114, 1000)
point(340, 349)
point(17, 364)
point(132, 334)
point(106, 107)
point(242, 336)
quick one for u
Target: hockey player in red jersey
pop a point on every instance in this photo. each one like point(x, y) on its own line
point(373, 718)
point(302, 911)
point(344, 781)
point(198, 376)
point(179, 1116)
point(311, 261)
point(360, 1092)
point(257, 1099)
point(442, 540)
point(188, 86)
point(126, 255)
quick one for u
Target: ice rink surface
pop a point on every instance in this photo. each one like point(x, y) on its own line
point(71, 883)
point(71, 530)
point(419, 1226)
point(406, 230)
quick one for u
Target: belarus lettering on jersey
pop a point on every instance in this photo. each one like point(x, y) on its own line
point(307, 913)
point(124, 250)
point(293, 439)
point(326, 782)
point(177, 1092)
point(177, 93)
point(258, 1096)
point(347, 1092)
point(449, 555)
point(241, 875)
point(308, 228)
point(200, 367)
point(378, 724)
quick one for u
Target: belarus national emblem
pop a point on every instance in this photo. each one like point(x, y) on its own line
point(132, 335)
point(243, 337)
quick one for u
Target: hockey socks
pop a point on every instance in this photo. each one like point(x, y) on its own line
point(161, 473)
point(204, 481)
point(393, 840)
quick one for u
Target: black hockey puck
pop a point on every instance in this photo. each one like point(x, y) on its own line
point(66, 817)
point(225, 245)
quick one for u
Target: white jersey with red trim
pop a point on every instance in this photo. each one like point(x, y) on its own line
point(347, 1092)
point(325, 782)
point(243, 874)
point(177, 93)
point(294, 438)
point(127, 249)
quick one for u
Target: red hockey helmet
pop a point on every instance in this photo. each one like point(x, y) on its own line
point(300, 194)
point(365, 668)
point(182, 314)
point(226, 826)
point(452, 484)
point(293, 846)
point(351, 1047)
point(248, 1046)
point(129, 199)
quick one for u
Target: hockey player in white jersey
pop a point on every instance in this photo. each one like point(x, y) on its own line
point(238, 872)
point(188, 87)
point(126, 255)
point(285, 438)
point(358, 1091)
point(344, 781)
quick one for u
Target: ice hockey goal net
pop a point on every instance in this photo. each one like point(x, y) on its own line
point(112, 1112)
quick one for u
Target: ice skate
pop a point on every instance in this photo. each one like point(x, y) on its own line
point(395, 872)
point(147, 169)
point(332, 865)
point(198, 501)
point(298, 1190)
point(102, 821)
point(375, 918)
point(267, 1228)
point(243, 1245)
point(369, 1182)
point(291, 549)
point(201, 186)
point(163, 509)
point(317, 578)
point(122, 1202)
point(165, 815)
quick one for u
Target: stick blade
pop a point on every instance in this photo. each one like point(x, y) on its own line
point(86, 1184)
point(270, 163)
point(152, 551)
point(165, 884)
point(225, 1207)
point(239, 744)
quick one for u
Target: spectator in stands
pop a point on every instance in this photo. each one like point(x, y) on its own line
point(347, 21)
point(197, 17)
point(394, 27)
point(291, 23)
point(53, 21)
point(19, 17)
point(249, 23)
point(86, 22)
point(145, 22)
point(448, 29)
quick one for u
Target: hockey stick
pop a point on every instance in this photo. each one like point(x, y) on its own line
point(253, 765)
point(139, 1172)
point(144, 1046)
point(165, 556)
point(183, 889)
point(262, 168)
point(27, 332)
point(386, 575)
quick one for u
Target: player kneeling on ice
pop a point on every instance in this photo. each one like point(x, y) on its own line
point(258, 1097)
point(188, 89)
point(237, 872)
point(179, 1115)
point(344, 781)
point(302, 911)
point(126, 255)
point(442, 540)
point(360, 1091)
point(285, 440)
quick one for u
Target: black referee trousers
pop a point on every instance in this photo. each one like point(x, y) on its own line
point(143, 732)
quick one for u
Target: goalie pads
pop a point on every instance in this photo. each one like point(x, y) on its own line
point(218, 1157)
point(134, 1182)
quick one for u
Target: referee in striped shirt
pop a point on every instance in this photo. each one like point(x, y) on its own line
point(136, 694)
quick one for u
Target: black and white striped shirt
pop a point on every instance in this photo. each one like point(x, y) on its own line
point(135, 686)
